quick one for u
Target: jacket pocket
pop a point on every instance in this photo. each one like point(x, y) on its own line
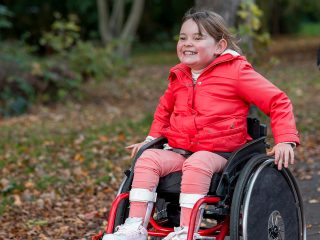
point(225, 141)
point(176, 139)
point(225, 125)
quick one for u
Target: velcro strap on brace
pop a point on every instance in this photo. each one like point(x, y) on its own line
point(142, 195)
point(188, 200)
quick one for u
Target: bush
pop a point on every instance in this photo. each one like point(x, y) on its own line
point(25, 79)
point(63, 35)
point(93, 62)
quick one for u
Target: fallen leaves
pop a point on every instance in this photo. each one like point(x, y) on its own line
point(314, 201)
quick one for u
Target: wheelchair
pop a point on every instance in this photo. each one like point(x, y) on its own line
point(250, 200)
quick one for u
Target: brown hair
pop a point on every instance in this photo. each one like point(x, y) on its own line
point(214, 24)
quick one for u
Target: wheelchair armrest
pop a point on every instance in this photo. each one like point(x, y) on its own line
point(156, 143)
point(255, 128)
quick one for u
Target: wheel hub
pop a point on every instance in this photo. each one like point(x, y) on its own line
point(276, 229)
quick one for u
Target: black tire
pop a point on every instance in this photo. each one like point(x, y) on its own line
point(266, 204)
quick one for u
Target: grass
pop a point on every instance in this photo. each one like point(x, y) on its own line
point(160, 58)
point(309, 29)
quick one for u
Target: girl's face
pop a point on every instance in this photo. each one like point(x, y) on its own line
point(195, 50)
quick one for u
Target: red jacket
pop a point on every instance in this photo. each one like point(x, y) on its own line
point(211, 115)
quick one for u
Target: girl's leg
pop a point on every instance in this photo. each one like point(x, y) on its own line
point(197, 171)
point(153, 164)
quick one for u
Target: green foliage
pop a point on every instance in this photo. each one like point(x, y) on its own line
point(63, 34)
point(5, 15)
point(93, 62)
point(250, 26)
point(285, 16)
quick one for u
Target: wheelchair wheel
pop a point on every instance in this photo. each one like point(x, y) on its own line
point(123, 208)
point(266, 204)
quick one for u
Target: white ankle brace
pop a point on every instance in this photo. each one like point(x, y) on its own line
point(188, 200)
point(142, 195)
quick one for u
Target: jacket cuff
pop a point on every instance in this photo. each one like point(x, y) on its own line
point(293, 144)
point(149, 139)
point(287, 138)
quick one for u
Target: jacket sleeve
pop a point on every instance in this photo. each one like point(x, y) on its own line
point(163, 112)
point(257, 90)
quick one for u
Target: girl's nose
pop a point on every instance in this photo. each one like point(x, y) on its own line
point(188, 43)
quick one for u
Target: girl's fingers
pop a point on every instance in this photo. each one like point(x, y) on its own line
point(279, 158)
point(291, 156)
point(270, 153)
point(283, 155)
point(133, 152)
point(286, 156)
point(276, 156)
point(136, 149)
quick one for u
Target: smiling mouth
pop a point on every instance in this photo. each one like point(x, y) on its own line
point(189, 53)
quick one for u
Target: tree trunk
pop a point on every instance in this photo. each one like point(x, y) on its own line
point(113, 28)
point(227, 8)
point(130, 28)
point(103, 21)
point(116, 19)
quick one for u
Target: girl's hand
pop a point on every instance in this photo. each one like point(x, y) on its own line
point(135, 148)
point(283, 154)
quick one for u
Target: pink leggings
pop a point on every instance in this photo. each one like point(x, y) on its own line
point(197, 171)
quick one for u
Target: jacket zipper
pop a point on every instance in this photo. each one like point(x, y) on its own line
point(205, 70)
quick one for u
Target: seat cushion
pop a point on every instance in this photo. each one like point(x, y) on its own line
point(171, 184)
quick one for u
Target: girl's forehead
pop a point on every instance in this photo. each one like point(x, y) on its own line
point(191, 27)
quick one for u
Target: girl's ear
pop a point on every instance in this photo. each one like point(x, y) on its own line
point(221, 46)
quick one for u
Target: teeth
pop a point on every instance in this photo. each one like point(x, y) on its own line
point(189, 53)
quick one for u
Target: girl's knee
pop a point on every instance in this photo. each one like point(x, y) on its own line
point(148, 159)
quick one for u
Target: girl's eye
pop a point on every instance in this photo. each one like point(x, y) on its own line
point(198, 38)
point(182, 38)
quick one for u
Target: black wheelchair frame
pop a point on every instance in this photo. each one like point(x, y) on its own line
point(238, 200)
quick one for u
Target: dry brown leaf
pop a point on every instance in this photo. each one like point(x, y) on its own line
point(103, 138)
point(90, 215)
point(79, 140)
point(313, 201)
point(29, 184)
point(79, 157)
point(121, 137)
point(17, 200)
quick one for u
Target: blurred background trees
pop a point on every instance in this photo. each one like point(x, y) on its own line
point(50, 48)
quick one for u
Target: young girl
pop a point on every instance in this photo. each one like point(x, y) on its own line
point(204, 111)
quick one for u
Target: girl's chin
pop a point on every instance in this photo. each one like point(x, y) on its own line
point(188, 62)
